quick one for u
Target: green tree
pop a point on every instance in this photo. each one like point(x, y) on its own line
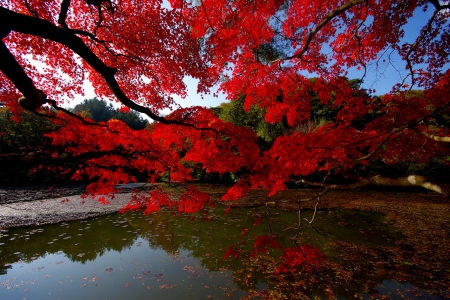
point(235, 113)
point(25, 135)
point(99, 111)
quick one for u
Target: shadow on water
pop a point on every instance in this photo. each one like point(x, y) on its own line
point(165, 255)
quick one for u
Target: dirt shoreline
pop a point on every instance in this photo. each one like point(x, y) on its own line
point(423, 215)
point(428, 205)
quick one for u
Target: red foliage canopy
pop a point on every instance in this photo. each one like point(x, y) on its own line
point(138, 52)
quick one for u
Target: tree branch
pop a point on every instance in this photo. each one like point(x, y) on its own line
point(34, 98)
point(324, 22)
point(437, 138)
point(20, 23)
point(411, 180)
point(413, 47)
point(63, 13)
point(438, 5)
point(13, 21)
point(407, 125)
point(68, 112)
point(42, 159)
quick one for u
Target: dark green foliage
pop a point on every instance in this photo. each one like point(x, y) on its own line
point(268, 53)
point(24, 139)
point(100, 111)
point(23, 136)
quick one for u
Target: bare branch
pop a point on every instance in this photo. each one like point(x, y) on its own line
point(411, 180)
point(437, 138)
point(438, 5)
point(413, 47)
point(32, 11)
point(63, 13)
point(343, 8)
point(318, 200)
point(359, 45)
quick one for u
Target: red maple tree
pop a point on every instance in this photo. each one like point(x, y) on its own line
point(137, 53)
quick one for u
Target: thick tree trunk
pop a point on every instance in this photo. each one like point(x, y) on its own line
point(411, 180)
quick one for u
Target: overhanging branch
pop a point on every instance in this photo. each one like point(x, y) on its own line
point(437, 138)
point(407, 125)
point(13, 21)
point(411, 180)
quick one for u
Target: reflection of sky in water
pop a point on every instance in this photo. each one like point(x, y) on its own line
point(162, 256)
point(138, 272)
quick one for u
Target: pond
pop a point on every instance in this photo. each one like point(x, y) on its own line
point(166, 255)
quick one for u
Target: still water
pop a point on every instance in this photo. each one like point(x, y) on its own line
point(169, 256)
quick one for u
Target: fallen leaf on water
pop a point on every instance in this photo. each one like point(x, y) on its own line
point(109, 270)
point(146, 272)
point(94, 278)
point(165, 286)
point(127, 284)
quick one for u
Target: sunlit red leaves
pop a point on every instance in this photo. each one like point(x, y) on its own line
point(236, 191)
point(219, 146)
point(192, 200)
point(110, 151)
point(303, 154)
